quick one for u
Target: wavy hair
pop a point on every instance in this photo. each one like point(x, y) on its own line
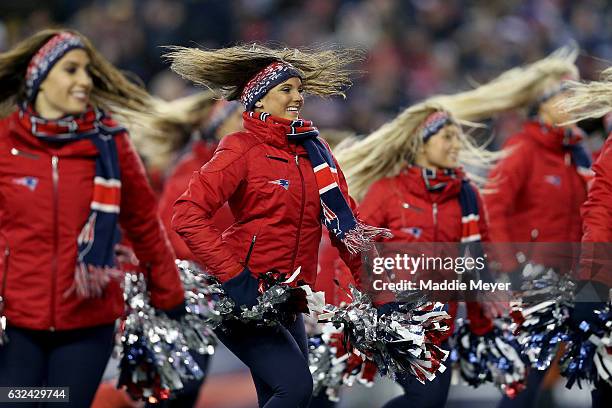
point(227, 70)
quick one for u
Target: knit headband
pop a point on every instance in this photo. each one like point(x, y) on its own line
point(264, 80)
point(433, 123)
point(46, 57)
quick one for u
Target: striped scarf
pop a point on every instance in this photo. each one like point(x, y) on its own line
point(336, 214)
point(97, 239)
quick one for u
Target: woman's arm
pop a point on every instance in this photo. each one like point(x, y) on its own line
point(208, 190)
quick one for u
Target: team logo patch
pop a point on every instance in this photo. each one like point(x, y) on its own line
point(29, 182)
point(414, 231)
point(552, 179)
point(281, 182)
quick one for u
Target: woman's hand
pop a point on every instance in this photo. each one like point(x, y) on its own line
point(242, 289)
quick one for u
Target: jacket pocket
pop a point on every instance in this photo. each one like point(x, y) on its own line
point(22, 153)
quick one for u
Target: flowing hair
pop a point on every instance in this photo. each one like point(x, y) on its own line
point(112, 90)
point(169, 128)
point(388, 149)
point(228, 70)
point(590, 99)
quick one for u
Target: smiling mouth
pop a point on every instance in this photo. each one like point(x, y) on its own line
point(81, 96)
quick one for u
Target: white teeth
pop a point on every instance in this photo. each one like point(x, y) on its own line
point(292, 109)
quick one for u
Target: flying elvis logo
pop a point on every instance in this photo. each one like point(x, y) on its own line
point(281, 182)
point(553, 179)
point(29, 182)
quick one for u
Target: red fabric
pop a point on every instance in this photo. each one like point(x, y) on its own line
point(596, 262)
point(536, 192)
point(286, 221)
point(175, 186)
point(405, 206)
point(331, 269)
point(39, 231)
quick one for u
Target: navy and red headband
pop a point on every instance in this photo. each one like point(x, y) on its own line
point(46, 57)
point(266, 79)
point(434, 123)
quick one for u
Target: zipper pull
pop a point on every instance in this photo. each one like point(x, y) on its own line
point(435, 213)
point(297, 162)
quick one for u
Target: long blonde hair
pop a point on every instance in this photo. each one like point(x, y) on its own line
point(169, 127)
point(388, 149)
point(589, 100)
point(324, 72)
point(112, 90)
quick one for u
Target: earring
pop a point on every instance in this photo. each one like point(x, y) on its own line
point(258, 105)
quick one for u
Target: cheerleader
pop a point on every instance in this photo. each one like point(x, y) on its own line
point(282, 183)
point(537, 190)
point(69, 179)
point(592, 100)
point(420, 193)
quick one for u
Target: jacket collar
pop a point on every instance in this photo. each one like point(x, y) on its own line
point(271, 134)
point(551, 137)
point(411, 178)
point(79, 148)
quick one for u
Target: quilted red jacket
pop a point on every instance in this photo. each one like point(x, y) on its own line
point(271, 189)
point(413, 214)
point(175, 186)
point(536, 193)
point(45, 196)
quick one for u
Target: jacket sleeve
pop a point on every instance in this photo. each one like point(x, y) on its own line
point(140, 222)
point(371, 208)
point(208, 190)
point(174, 187)
point(596, 258)
point(504, 186)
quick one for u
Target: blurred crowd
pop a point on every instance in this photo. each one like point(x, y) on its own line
point(415, 48)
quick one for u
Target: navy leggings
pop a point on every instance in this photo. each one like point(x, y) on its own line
point(278, 360)
point(70, 358)
point(432, 394)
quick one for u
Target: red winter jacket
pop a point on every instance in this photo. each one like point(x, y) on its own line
point(596, 262)
point(175, 186)
point(271, 189)
point(413, 214)
point(40, 221)
point(536, 191)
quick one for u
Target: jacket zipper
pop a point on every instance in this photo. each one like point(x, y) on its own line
point(55, 179)
point(16, 152)
point(434, 213)
point(299, 231)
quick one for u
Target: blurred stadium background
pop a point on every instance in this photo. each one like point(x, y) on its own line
point(415, 48)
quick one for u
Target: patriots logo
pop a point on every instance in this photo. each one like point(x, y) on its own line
point(281, 182)
point(414, 231)
point(29, 182)
point(552, 179)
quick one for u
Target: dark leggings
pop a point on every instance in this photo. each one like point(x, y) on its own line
point(70, 358)
point(278, 360)
point(432, 394)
